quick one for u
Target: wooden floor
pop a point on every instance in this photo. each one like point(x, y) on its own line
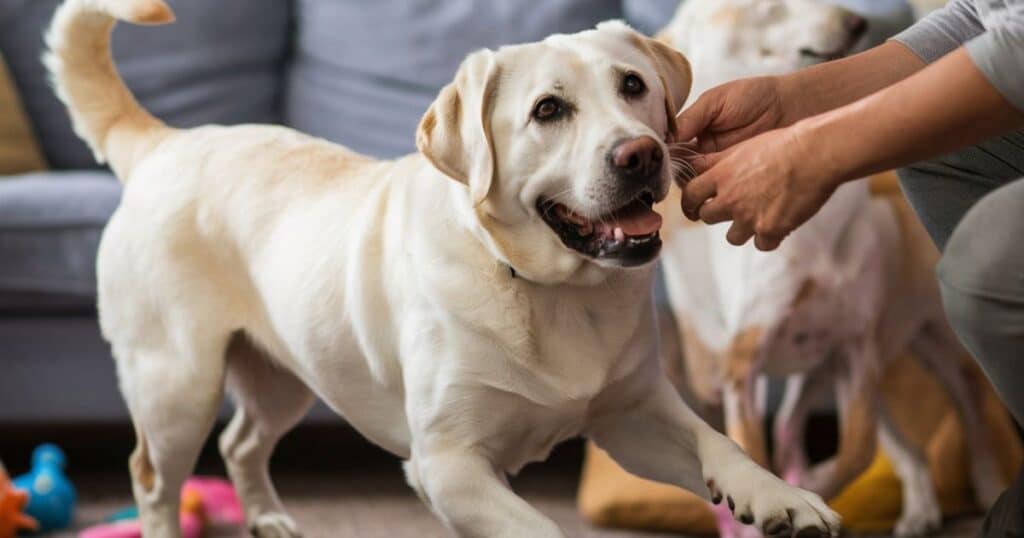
point(376, 503)
point(369, 503)
point(332, 482)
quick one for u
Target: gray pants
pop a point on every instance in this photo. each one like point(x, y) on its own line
point(972, 203)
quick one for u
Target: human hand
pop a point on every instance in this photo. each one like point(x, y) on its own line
point(733, 112)
point(767, 186)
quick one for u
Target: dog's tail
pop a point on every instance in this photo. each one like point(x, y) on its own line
point(103, 111)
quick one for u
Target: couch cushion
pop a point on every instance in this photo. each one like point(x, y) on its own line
point(219, 63)
point(363, 73)
point(50, 226)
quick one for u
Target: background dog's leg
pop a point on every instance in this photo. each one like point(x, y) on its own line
point(801, 393)
point(743, 422)
point(942, 354)
point(658, 437)
point(857, 395)
point(472, 497)
point(173, 397)
point(270, 401)
point(921, 513)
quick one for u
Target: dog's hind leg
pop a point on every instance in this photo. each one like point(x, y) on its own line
point(857, 396)
point(269, 402)
point(801, 392)
point(921, 513)
point(942, 354)
point(173, 392)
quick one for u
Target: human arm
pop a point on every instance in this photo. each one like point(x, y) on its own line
point(735, 111)
point(774, 182)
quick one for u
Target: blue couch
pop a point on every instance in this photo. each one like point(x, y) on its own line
point(359, 73)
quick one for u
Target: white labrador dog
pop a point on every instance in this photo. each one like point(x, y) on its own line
point(466, 307)
point(844, 294)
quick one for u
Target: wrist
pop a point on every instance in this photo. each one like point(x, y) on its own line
point(795, 102)
point(822, 154)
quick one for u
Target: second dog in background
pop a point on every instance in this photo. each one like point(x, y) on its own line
point(843, 295)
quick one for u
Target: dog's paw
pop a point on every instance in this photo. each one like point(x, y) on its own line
point(756, 497)
point(728, 527)
point(274, 525)
point(919, 522)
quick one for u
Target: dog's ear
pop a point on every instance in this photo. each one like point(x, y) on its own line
point(676, 76)
point(455, 133)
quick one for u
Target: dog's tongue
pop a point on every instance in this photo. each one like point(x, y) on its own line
point(636, 219)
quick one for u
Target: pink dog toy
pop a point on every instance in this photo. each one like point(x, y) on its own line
point(204, 500)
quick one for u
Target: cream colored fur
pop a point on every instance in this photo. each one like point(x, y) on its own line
point(422, 299)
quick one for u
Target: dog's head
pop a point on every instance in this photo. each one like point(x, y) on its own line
point(562, 146)
point(730, 39)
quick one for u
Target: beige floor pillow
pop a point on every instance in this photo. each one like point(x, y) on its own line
point(19, 152)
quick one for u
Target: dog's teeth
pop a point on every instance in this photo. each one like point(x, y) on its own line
point(619, 234)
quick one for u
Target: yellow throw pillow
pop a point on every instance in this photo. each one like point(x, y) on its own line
point(611, 497)
point(19, 151)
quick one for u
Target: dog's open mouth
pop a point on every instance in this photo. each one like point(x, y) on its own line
point(628, 234)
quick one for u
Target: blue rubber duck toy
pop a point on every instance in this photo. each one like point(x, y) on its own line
point(51, 496)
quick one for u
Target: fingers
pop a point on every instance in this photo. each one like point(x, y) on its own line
point(713, 212)
point(766, 243)
point(691, 122)
point(739, 233)
point(720, 141)
point(704, 162)
point(696, 192)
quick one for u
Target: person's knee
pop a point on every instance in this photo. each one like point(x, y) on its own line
point(982, 268)
point(983, 255)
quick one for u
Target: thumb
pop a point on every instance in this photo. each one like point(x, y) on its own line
point(690, 123)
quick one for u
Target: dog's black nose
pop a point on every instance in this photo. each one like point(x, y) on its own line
point(636, 158)
point(856, 25)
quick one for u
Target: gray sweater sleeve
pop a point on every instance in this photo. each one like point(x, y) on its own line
point(997, 50)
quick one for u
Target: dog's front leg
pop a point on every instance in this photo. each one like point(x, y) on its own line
point(652, 433)
point(472, 497)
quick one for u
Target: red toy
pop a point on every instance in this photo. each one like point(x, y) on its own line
point(12, 502)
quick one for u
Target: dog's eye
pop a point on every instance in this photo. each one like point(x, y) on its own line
point(633, 85)
point(549, 108)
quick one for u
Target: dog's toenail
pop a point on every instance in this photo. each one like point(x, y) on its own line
point(746, 519)
point(778, 528)
point(809, 532)
point(717, 499)
point(732, 505)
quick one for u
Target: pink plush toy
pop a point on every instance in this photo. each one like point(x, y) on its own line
point(204, 500)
